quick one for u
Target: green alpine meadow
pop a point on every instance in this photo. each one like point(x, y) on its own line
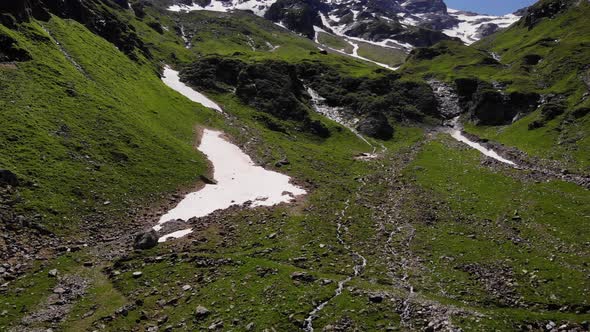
point(294, 165)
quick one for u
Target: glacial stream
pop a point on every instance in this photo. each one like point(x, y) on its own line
point(239, 180)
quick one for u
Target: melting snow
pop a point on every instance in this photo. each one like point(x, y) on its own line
point(239, 180)
point(175, 235)
point(458, 135)
point(172, 80)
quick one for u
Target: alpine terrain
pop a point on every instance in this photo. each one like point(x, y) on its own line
point(293, 165)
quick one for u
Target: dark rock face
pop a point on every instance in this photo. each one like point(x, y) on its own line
point(487, 29)
point(425, 6)
point(271, 87)
point(376, 125)
point(10, 51)
point(545, 9)
point(491, 107)
point(532, 59)
point(297, 15)
point(14, 11)
point(146, 240)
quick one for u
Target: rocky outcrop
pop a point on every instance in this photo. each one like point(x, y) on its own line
point(489, 105)
point(297, 15)
point(11, 51)
point(271, 87)
point(545, 9)
point(487, 29)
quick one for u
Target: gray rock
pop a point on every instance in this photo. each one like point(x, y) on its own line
point(137, 274)
point(52, 273)
point(302, 276)
point(146, 240)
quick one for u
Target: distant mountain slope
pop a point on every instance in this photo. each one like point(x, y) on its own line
point(397, 24)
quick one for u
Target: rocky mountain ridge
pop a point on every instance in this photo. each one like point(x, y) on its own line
point(400, 24)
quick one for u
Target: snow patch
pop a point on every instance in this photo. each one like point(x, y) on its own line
point(171, 79)
point(259, 7)
point(239, 181)
point(469, 23)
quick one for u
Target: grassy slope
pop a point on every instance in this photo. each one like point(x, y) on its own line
point(560, 72)
point(84, 140)
point(544, 249)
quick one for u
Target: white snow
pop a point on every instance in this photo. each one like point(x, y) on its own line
point(172, 80)
point(259, 7)
point(175, 235)
point(239, 180)
point(457, 134)
point(469, 23)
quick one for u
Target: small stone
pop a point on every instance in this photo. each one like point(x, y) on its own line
point(201, 312)
point(186, 288)
point(52, 273)
point(107, 203)
point(137, 274)
point(376, 298)
point(250, 327)
point(272, 236)
point(59, 290)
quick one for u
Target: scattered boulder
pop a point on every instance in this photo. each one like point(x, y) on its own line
point(376, 125)
point(302, 276)
point(201, 312)
point(532, 59)
point(8, 178)
point(282, 162)
point(146, 240)
point(376, 298)
point(137, 274)
point(207, 179)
